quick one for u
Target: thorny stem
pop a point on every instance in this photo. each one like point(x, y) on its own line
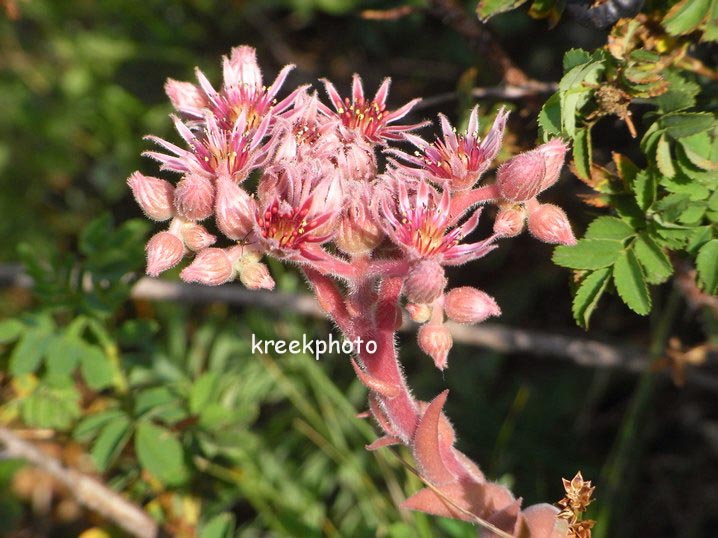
point(614, 482)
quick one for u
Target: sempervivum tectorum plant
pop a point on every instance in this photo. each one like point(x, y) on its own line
point(369, 241)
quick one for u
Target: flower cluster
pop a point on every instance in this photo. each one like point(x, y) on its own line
point(301, 181)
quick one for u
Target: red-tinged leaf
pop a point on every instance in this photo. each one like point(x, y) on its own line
point(427, 449)
point(377, 385)
point(540, 522)
point(507, 519)
point(380, 415)
point(382, 442)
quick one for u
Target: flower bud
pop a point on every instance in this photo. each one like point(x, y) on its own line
point(255, 276)
point(520, 178)
point(510, 221)
point(234, 209)
point(469, 305)
point(153, 195)
point(419, 313)
point(194, 197)
point(435, 340)
point(164, 251)
point(196, 237)
point(425, 282)
point(184, 95)
point(548, 223)
point(212, 267)
point(554, 153)
point(357, 233)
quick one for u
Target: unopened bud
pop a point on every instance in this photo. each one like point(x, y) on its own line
point(164, 251)
point(435, 340)
point(425, 282)
point(469, 305)
point(357, 234)
point(194, 197)
point(520, 178)
point(155, 196)
point(212, 267)
point(549, 223)
point(554, 153)
point(234, 209)
point(184, 95)
point(196, 236)
point(510, 221)
point(420, 313)
point(255, 276)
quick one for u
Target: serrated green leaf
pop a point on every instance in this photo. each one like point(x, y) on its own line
point(685, 16)
point(575, 57)
point(663, 157)
point(549, 119)
point(681, 94)
point(588, 294)
point(644, 189)
point(160, 452)
point(707, 266)
point(110, 442)
point(10, 330)
point(588, 254)
point(51, 407)
point(631, 283)
point(582, 152)
point(29, 352)
point(682, 124)
point(701, 150)
point(657, 267)
point(609, 228)
point(574, 91)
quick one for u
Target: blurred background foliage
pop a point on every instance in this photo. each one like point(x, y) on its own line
point(166, 401)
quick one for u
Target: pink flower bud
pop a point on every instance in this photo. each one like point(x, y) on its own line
point(196, 237)
point(184, 95)
point(554, 153)
point(510, 221)
point(164, 251)
point(469, 305)
point(520, 178)
point(548, 223)
point(234, 209)
point(153, 195)
point(419, 313)
point(357, 233)
point(255, 276)
point(212, 267)
point(194, 197)
point(425, 282)
point(436, 341)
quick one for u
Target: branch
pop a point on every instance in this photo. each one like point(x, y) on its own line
point(88, 491)
point(503, 92)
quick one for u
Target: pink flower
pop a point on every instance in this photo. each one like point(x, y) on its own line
point(216, 151)
point(155, 196)
point(369, 117)
point(242, 92)
point(299, 207)
point(457, 160)
point(420, 225)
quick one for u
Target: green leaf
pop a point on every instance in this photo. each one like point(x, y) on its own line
point(609, 228)
point(682, 124)
point(588, 254)
point(63, 354)
point(644, 189)
point(96, 368)
point(54, 407)
point(10, 330)
point(582, 152)
point(488, 8)
point(549, 119)
point(89, 427)
point(28, 354)
point(681, 94)
point(575, 57)
point(663, 157)
point(707, 265)
point(161, 453)
point(111, 441)
point(685, 16)
point(574, 92)
point(654, 261)
point(702, 150)
point(631, 283)
point(221, 526)
point(203, 391)
point(588, 294)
